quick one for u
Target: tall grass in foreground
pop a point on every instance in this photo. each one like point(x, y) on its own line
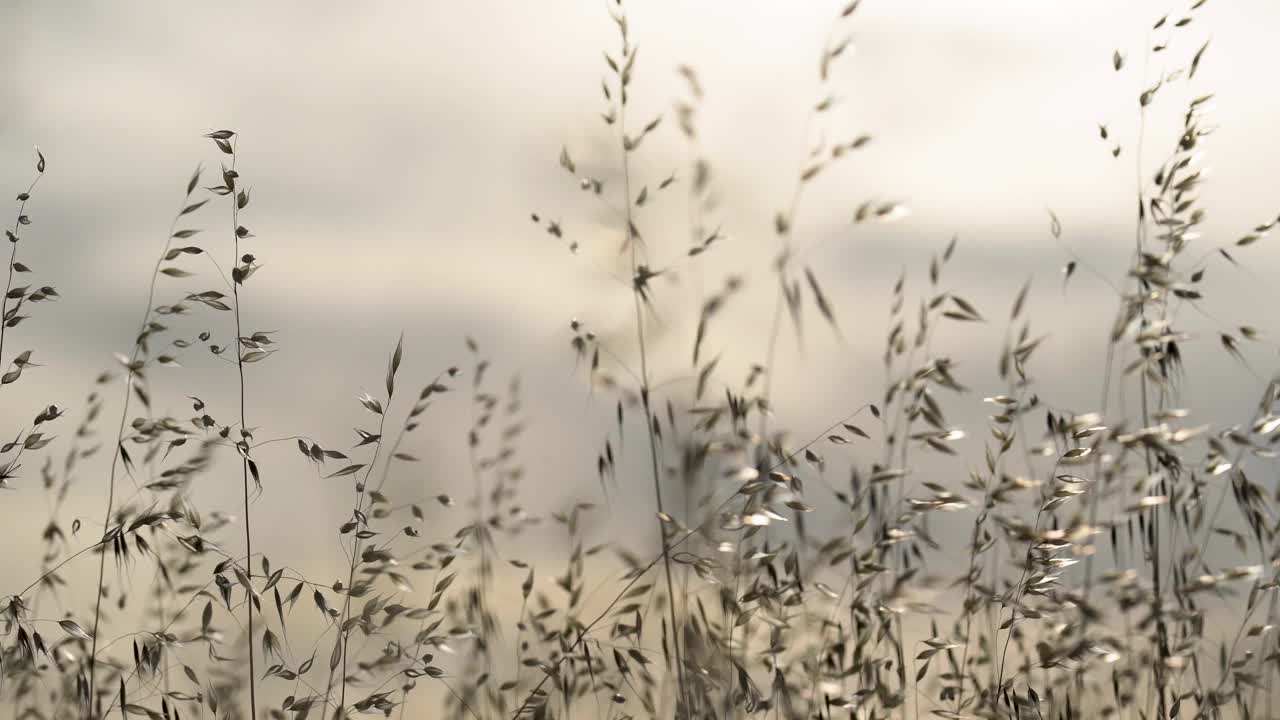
point(790, 579)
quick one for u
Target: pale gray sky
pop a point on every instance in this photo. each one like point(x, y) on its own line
point(395, 150)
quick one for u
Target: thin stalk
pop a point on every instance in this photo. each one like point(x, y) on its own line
point(244, 460)
point(482, 535)
point(132, 373)
point(793, 209)
point(642, 572)
point(775, 328)
point(13, 256)
point(638, 301)
point(355, 560)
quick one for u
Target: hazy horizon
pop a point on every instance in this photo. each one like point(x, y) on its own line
point(396, 154)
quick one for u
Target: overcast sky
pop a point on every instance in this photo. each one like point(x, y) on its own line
point(396, 149)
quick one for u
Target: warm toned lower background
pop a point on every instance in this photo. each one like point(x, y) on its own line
point(395, 153)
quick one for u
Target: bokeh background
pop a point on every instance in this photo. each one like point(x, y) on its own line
point(396, 149)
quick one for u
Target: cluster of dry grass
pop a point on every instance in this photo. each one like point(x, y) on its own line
point(798, 580)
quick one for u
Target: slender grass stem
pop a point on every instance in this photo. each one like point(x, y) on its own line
point(131, 375)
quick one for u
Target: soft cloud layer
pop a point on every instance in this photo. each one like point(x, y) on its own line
point(396, 152)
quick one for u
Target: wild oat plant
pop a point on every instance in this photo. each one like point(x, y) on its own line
point(788, 579)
